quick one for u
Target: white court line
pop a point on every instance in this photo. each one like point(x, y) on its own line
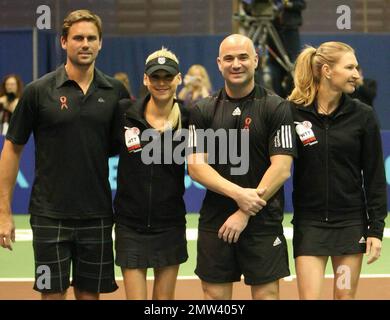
point(192, 234)
point(289, 278)
point(331, 276)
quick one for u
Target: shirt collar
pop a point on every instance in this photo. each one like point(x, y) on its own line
point(257, 93)
point(99, 79)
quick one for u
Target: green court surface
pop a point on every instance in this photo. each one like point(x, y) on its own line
point(18, 264)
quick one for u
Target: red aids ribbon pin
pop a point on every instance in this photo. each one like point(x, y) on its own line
point(63, 102)
point(247, 123)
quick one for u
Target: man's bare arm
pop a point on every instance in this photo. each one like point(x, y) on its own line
point(247, 199)
point(9, 166)
point(275, 176)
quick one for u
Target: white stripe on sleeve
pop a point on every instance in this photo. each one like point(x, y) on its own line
point(283, 137)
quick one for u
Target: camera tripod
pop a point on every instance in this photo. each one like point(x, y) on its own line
point(260, 28)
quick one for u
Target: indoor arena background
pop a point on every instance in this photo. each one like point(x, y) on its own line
point(193, 30)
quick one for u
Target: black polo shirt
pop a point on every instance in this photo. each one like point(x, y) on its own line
point(73, 134)
point(268, 119)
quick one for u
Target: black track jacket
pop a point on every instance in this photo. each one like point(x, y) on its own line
point(149, 196)
point(339, 175)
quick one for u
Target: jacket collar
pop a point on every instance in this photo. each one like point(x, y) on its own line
point(137, 110)
point(99, 79)
point(345, 106)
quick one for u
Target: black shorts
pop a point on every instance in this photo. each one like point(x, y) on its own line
point(85, 244)
point(319, 241)
point(140, 250)
point(260, 258)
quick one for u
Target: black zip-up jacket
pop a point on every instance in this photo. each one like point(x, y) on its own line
point(339, 175)
point(149, 196)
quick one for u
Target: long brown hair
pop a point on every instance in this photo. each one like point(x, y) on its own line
point(19, 83)
point(307, 73)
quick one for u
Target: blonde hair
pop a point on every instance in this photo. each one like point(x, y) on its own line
point(164, 52)
point(174, 117)
point(307, 71)
point(203, 74)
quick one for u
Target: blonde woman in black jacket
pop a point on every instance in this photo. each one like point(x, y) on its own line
point(339, 193)
point(149, 207)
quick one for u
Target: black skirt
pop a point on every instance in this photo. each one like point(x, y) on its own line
point(311, 240)
point(140, 250)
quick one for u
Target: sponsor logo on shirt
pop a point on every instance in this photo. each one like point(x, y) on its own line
point(277, 242)
point(236, 112)
point(132, 140)
point(305, 133)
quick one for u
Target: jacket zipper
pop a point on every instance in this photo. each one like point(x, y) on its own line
point(150, 195)
point(327, 168)
point(144, 124)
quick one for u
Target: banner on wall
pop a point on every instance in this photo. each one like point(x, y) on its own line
point(194, 191)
